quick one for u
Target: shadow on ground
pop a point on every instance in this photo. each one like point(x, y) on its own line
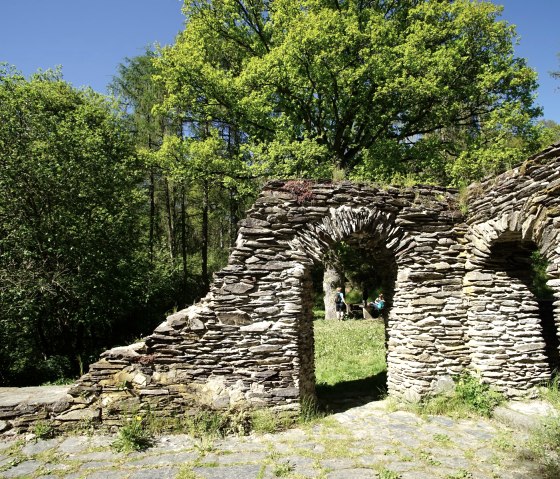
point(348, 394)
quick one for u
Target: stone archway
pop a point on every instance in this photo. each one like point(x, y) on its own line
point(513, 336)
point(249, 341)
point(457, 296)
point(372, 229)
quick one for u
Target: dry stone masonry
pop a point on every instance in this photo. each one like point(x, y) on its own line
point(460, 298)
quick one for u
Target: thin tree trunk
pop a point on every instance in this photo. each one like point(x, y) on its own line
point(152, 213)
point(204, 254)
point(184, 241)
point(170, 232)
point(233, 217)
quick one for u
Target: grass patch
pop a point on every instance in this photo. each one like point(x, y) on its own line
point(133, 436)
point(470, 398)
point(210, 423)
point(460, 474)
point(283, 469)
point(43, 430)
point(268, 421)
point(348, 350)
point(349, 360)
point(543, 446)
point(388, 474)
point(551, 392)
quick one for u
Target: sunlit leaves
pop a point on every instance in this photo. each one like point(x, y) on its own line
point(349, 80)
point(69, 220)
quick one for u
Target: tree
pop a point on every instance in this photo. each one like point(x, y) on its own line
point(137, 95)
point(550, 132)
point(194, 203)
point(370, 87)
point(71, 260)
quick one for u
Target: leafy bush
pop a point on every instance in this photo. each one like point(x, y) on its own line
point(43, 430)
point(133, 436)
point(470, 397)
point(477, 396)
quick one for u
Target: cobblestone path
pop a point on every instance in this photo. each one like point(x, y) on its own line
point(364, 442)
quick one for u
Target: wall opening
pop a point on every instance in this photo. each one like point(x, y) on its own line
point(350, 356)
point(513, 329)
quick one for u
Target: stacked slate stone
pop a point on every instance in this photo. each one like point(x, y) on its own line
point(461, 298)
point(250, 340)
point(509, 217)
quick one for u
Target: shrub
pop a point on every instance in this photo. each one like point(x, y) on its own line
point(133, 436)
point(477, 396)
point(469, 397)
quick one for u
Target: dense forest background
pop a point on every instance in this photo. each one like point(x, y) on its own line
point(117, 210)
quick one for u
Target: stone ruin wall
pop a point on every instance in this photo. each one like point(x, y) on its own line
point(508, 217)
point(250, 340)
point(453, 306)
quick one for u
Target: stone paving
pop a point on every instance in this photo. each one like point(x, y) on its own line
point(363, 442)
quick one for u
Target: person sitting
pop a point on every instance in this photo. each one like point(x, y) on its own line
point(377, 305)
point(380, 302)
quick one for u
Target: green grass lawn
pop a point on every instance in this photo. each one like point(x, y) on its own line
point(349, 359)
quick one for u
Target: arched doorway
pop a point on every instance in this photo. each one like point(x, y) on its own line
point(513, 334)
point(367, 242)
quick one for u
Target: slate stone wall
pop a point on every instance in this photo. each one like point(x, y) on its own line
point(509, 217)
point(250, 340)
point(461, 297)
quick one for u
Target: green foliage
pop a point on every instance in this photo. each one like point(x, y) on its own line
point(544, 446)
point(551, 392)
point(375, 89)
point(470, 397)
point(388, 474)
point(133, 436)
point(539, 286)
point(283, 469)
point(43, 430)
point(211, 423)
point(442, 439)
point(71, 258)
point(461, 474)
point(268, 421)
point(476, 395)
point(309, 409)
point(549, 133)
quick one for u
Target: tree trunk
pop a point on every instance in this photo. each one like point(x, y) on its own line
point(233, 216)
point(332, 279)
point(205, 207)
point(152, 212)
point(184, 241)
point(170, 229)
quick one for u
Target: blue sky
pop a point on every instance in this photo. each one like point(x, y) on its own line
point(90, 38)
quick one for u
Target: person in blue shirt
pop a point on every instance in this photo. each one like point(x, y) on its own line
point(379, 302)
point(377, 305)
